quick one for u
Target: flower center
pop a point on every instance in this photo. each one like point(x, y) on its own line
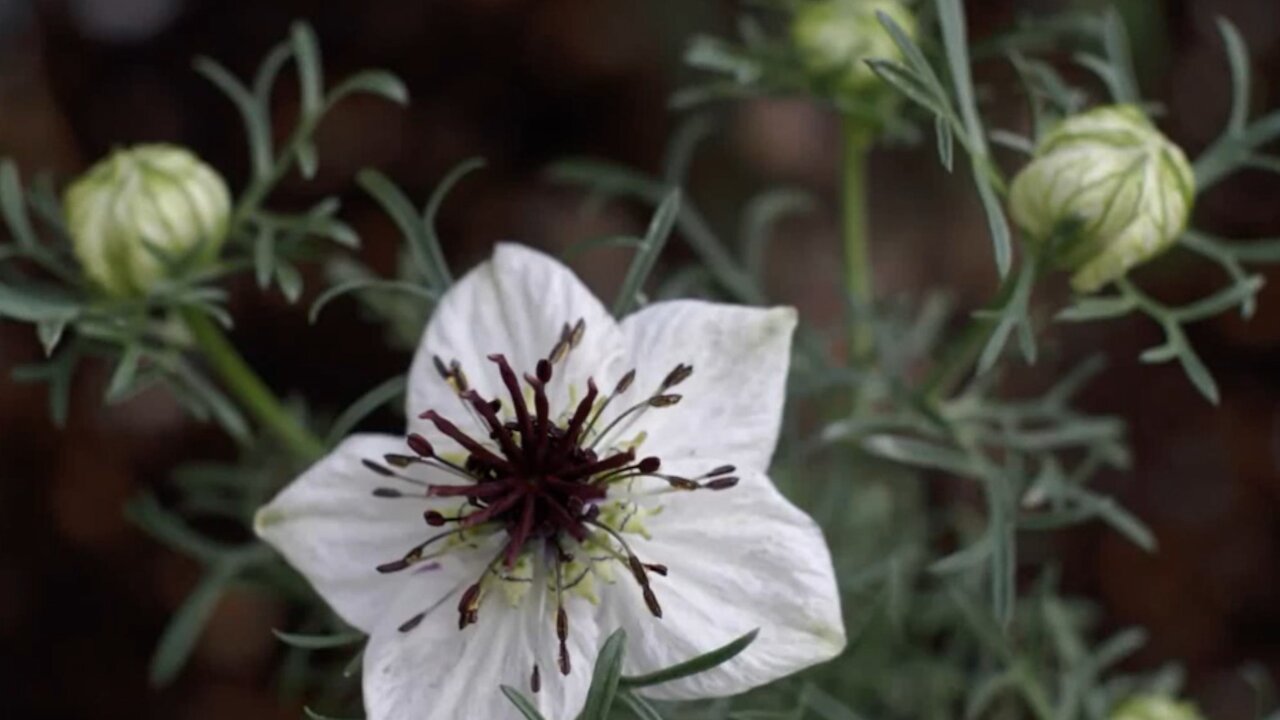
point(558, 488)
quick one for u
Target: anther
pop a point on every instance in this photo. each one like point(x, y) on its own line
point(723, 483)
point(657, 568)
point(625, 382)
point(386, 492)
point(649, 465)
point(399, 461)
point(420, 445)
point(544, 371)
point(383, 471)
point(661, 401)
point(394, 566)
point(722, 470)
point(579, 330)
point(467, 606)
point(651, 600)
point(677, 376)
point(535, 680)
point(680, 483)
point(441, 369)
point(435, 518)
point(411, 623)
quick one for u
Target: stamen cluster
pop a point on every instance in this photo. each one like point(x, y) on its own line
point(538, 478)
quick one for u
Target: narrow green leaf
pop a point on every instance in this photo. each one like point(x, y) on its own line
point(702, 663)
point(186, 625)
point(319, 642)
point(921, 453)
point(50, 334)
point(964, 559)
point(290, 281)
point(1086, 309)
point(432, 210)
point(522, 703)
point(264, 256)
point(360, 284)
point(35, 305)
point(761, 216)
point(946, 144)
point(1195, 369)
point(642, 265)
point(375, 398)
point(1238, 58)
point(997, 223)
point(639, 706)
point(405, 216)
point(382, 83)
point(308, 160)
point(126, 372)
point(13, 206)
point(1220, 301)
point(256, 123)
point(306, 51)
point(1115, 40)
point(605, 677)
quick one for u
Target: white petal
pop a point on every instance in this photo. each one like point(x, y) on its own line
point(516, 304)
point(437, 672)
point(732, 404)
point(331, 528)
point(738, 560)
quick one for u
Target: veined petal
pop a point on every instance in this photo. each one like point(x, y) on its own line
point(732, 404)
point(516, 304)
point(437, 672)
point(330, 527)
point(737, 560)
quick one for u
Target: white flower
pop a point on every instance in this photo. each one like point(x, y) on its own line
point(475, 559)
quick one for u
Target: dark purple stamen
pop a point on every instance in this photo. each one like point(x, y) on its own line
point(538, 480)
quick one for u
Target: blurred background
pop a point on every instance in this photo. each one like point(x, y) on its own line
point(83, 595)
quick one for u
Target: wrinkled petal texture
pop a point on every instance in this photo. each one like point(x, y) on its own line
point(517, 304)
point(331, 528)
point(732, 404)
point(739, 560)
point(436, 672)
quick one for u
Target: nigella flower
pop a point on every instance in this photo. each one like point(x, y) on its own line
point(566, 475)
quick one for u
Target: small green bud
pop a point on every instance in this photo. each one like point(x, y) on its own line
point(1155, 707)
point(140, 211)
point(834, 38)
point(1108, 190)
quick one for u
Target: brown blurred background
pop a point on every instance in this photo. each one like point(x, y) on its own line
point(83, 595)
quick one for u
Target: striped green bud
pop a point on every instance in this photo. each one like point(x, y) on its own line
point(834, 38)
point(1155, 707)
point(141, 213)
point(1107, 190)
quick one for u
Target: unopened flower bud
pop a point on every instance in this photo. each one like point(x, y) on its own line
point(143, 211)
point(834, 38)
point(1155, 707)
point(1106, 191)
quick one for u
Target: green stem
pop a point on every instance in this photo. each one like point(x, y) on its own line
point(249, 389)
point(857, 250)
point(959, 357)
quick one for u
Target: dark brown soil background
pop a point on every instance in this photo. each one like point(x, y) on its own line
point(83, 594)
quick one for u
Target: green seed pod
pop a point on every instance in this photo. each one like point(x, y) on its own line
point(143, 212)
point(1155, 707)
point(1107, 191)
point(834, 38)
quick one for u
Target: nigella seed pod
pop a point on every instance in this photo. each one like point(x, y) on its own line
point(834, 38)
point(1155, 707)
point(1104, 192)
point(143, 212)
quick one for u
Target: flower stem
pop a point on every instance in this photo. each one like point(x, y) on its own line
point(857, 250)
point(249, 389)
point(958, 358)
